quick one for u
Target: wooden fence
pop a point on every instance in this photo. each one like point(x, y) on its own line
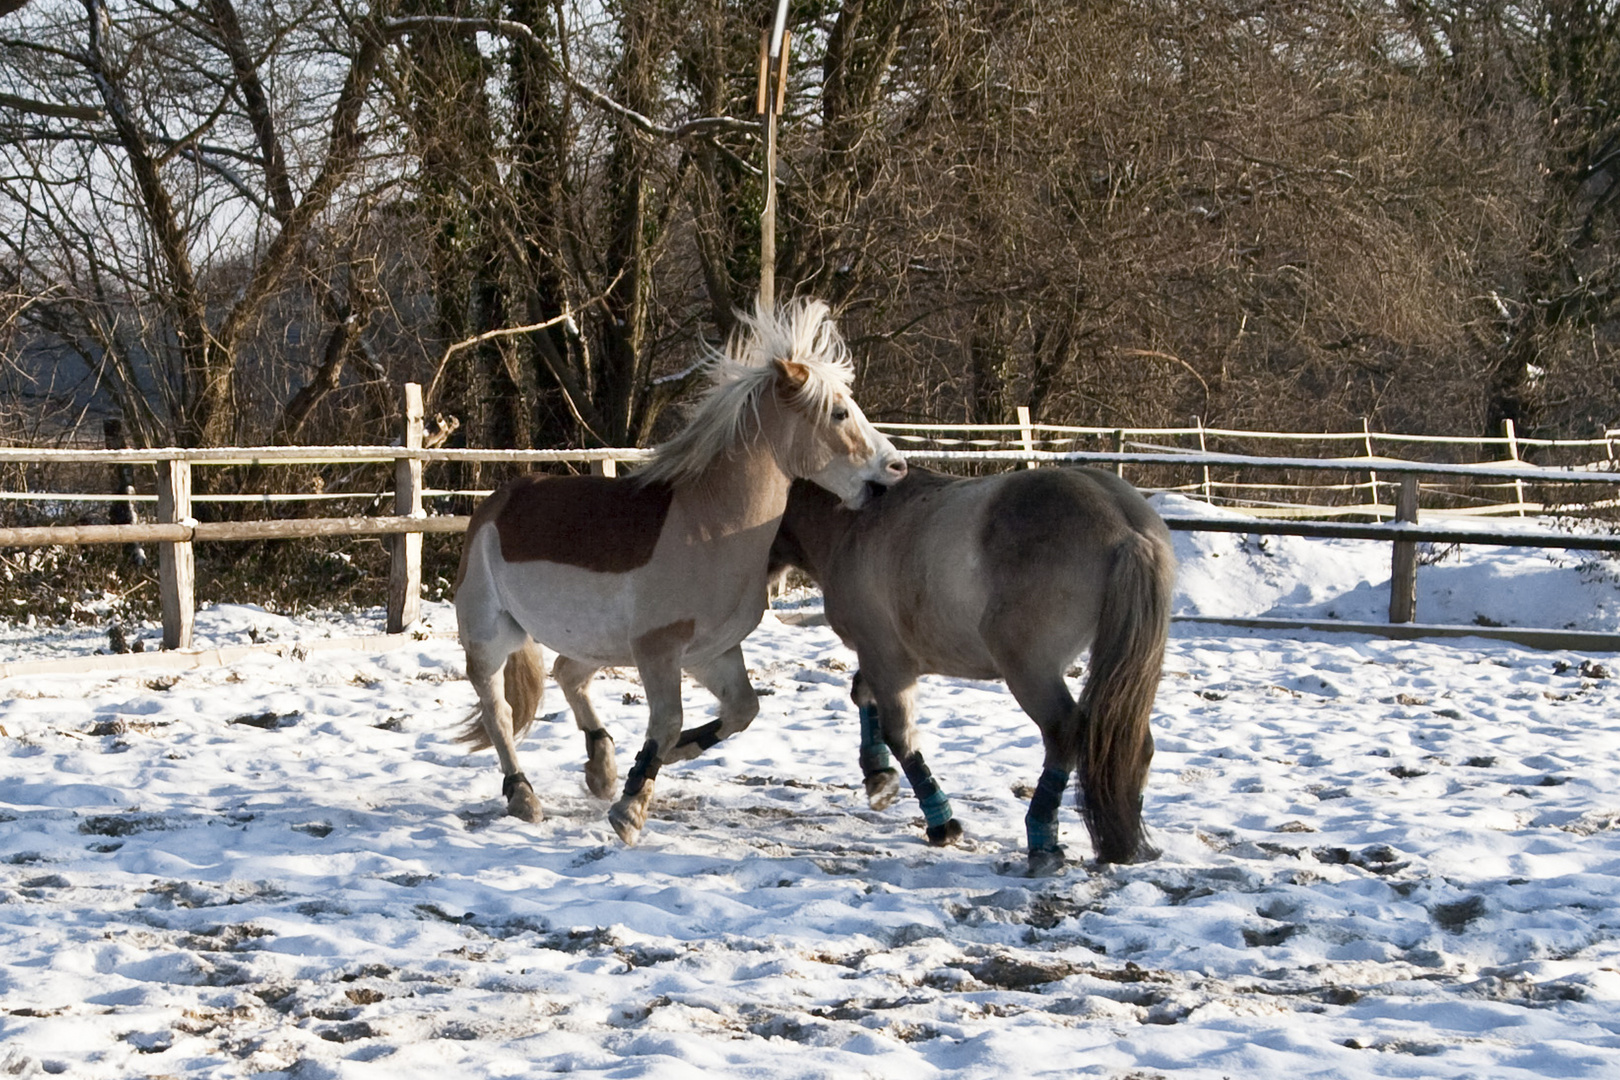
point(1366, 490)
point(1213, 476)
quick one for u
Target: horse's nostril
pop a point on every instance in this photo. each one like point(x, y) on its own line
point(898, 467)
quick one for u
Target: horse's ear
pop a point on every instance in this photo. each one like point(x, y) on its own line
point(790, 375)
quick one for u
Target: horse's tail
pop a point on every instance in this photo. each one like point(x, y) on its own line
point(1121, 681)
point(525, 678)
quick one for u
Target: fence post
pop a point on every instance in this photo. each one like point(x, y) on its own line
point(1119, 448)
point(1512, 438)
point(123, 483)
point(1203, 448)
point(177, 565)
point(1372, 474)
point(605, 467)
point(1403, 565)
point(1028, 433)
point(405, 564)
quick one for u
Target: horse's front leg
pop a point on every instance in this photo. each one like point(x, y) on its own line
point(890, 709)
point(658, 658)
point(726, 677)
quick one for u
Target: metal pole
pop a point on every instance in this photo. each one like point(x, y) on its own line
point(773, 58)
point(767, 219)
point(778, 26)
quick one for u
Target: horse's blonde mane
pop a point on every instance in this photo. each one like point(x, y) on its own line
point(803, 332)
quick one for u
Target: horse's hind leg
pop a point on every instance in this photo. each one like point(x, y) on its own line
point(1047, 700)
point(892, 706)
point(877, 767)
point(507, 660)
point(601, 768)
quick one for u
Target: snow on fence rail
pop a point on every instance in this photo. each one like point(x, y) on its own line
point(175, 529)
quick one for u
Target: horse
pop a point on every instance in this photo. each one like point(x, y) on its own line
point(665, 568)
point(1006, 577)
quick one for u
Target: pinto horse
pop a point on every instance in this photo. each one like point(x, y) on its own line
point(1008, 576)
point(663, 569)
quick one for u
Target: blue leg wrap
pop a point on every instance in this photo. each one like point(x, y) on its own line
point(874, 751)
point(1041, 822)
point(936, 807)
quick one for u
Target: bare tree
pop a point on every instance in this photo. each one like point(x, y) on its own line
point(573, 206)
point(1274, 215)
point(249, 220)
point(181, 170)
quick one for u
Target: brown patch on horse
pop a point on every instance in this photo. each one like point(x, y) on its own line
point(665, 639)
point(605, 524)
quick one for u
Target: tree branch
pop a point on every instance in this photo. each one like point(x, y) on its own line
point(52, 109)
point(574, 394)
point(191, 319)
point(257, 103)
point(343, 146)
point(703, 126)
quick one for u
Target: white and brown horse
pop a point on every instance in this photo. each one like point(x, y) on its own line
point(1002, 577)
point(664, 569)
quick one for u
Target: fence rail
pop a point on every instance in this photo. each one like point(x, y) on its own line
point(1590, 462)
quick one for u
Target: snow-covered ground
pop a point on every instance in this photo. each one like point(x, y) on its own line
point(1379, 859)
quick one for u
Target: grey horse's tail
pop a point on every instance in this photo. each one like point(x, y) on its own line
point(1121, 682)
point(525, 675)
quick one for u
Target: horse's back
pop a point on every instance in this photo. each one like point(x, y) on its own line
point(1034, 515)
point(1040, 519)
point(938, 567)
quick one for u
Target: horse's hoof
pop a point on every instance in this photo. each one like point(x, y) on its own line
point(944, 835)
point(601, 781)
point(1046, 863)
point(627, 820)
point(881, 788)
point(526, 810)
point(521, 801)
point(601, 770)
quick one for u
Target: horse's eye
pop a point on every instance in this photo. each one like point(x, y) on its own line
point(840, 415)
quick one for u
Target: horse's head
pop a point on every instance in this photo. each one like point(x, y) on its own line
point(782, 386)
point(829, 440)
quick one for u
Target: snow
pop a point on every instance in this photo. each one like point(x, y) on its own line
point(1380, 859)
point(1237, 575)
